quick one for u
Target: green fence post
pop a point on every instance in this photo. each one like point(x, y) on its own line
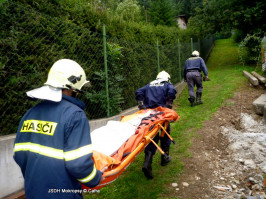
point(106, 71)
point(158, 56)
point(192, 45)
point(179, 61)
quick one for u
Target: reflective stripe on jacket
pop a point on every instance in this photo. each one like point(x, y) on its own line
point(53, 150)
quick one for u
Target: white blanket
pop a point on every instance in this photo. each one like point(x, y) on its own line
point(109, 138)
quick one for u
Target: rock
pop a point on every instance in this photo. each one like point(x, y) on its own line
point(258, 178)
point(250, 164)
point(234, 186)
point(242, 189)
point(243, 196)
point(237, 196)
point(256, 187)
point(222, 188)
point(252, 180)
point(197, 178)
point(174, 184)
point(259, 104)
point(185, 184)
point(241, 161)
point(230, 197)
point(253, 80)
point(236, 181)
point(232, 174)
point(251, 197)
point(259, 77)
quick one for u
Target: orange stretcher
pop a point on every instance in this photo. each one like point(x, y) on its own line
point(157, 121)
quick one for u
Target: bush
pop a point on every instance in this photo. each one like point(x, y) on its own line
point(250, 50)
point(34, 34)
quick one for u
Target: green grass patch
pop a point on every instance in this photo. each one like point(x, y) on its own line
point(226, 78)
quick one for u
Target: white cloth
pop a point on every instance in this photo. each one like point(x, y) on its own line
point(109, 138)
point(46, 93)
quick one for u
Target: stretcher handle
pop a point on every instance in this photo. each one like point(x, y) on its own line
point(167, 133)
point(133, 154)
point(159, 148)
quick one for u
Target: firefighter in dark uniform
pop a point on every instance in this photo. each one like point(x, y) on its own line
point(53, 145)
point(192, 75)
point(159, 92)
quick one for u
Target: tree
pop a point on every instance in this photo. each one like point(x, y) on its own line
point(129, 10)
point(187, 7)
point(161, 12)
point(217, 15)
point(145, 4)
point(248, 16)
point(245, 17)
point(178, 7)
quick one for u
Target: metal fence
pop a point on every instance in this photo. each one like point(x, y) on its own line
point(30, 42)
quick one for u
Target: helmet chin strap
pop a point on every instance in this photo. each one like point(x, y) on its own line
point(74, 89)
point(70, 93)
point(74, 94)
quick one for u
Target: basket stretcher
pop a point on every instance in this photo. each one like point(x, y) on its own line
point(154, 121)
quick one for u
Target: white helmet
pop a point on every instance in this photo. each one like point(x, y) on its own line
point(195, 53)
point(163, 75)
point(67, 74)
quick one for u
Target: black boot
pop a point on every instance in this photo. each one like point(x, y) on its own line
point(192, 101)
point(165, 159)
point(198, 98)
point(147, 165)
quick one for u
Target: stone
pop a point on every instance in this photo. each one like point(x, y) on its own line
point(256, 187)
point(185, 184)
point(259, 104)
point(264, 112)
point(174, 184)
point(250, 164)
point(251, 197)
point(259, 77)
point(234, 186)
point(253, 80)
point(252, 180)
point(241, 161)
point(222, 188)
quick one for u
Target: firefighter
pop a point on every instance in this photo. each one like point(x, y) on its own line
point(192, 75)
point(159, 92)
point(53, 144)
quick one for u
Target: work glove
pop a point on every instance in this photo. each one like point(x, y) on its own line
point(169, 103)
point(169, 106)
point(141, 105)
point(206, 78)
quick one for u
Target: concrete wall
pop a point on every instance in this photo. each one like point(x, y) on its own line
point(11, 179)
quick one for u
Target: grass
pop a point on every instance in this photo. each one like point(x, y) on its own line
point(226, 77)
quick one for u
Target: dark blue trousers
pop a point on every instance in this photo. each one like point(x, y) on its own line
point(194, 79)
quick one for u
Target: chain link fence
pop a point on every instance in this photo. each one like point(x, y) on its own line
point(30, 42)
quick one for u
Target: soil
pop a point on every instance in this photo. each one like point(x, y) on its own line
point(216, 170)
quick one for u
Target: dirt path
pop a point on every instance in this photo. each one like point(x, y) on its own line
point(214, 170)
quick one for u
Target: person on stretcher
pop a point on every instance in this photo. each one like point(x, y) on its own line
point(159, 92)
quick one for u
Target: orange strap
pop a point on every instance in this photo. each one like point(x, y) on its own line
point(159, 148)
point(166, 132)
